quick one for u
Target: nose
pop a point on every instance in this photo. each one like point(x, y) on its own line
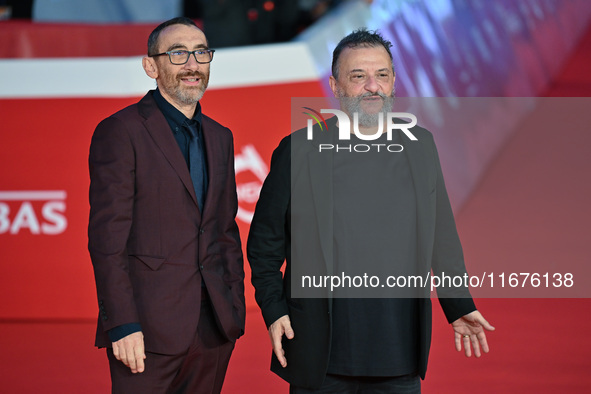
point(371, 85)
point(192, 63)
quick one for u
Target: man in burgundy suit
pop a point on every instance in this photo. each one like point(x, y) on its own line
point(162, 233)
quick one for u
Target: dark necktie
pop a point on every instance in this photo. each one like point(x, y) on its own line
point(197, 165)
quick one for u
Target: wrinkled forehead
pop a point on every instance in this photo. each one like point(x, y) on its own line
point(181, 36)
point(363, 57)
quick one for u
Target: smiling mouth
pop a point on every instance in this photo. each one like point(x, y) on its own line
point(191, 81)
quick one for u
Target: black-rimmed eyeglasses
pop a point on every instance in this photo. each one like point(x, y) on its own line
point(180, 56)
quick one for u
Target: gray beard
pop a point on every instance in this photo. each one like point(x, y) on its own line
point(188, 97)
point(352, 105)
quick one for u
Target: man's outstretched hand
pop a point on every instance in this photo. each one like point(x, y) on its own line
point(469, 329)
point(280, 327)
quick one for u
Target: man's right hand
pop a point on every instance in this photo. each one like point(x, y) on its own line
point(276, 330)
point(130, 351)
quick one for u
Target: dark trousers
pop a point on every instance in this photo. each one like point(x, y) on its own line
point(407, 384)
point(200, 370)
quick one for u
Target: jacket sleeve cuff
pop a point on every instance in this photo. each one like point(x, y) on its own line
point(454, 308)
point(123, 330)
point(274, 312)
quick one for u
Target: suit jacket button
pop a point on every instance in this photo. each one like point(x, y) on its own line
point(201, 267)
point(201, 231)
point(105, 318)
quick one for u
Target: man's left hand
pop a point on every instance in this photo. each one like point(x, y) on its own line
point(469, 329)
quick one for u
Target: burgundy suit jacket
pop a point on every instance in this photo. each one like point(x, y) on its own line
point(150, 247)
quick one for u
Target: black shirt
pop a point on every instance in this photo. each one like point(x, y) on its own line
point(375, 232)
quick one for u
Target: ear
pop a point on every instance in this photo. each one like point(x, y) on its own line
point(150, 67)
point(333, 85)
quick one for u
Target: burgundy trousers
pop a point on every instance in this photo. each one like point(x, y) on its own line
point(201, 370)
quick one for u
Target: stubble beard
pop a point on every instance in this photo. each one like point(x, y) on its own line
point(188, 95)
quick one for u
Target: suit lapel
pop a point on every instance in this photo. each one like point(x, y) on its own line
point(419, 160)
point(321, 179)
point(212, 155)
point(159, 130)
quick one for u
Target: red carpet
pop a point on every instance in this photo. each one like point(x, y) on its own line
point(533, 205)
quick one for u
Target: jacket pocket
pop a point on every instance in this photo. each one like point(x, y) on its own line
point(152, 262)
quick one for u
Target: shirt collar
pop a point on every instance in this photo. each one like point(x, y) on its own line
point(174, 117)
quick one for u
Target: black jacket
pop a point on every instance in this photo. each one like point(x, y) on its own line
point(279, 223)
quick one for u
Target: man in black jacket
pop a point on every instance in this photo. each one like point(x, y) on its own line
point(340, 213)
